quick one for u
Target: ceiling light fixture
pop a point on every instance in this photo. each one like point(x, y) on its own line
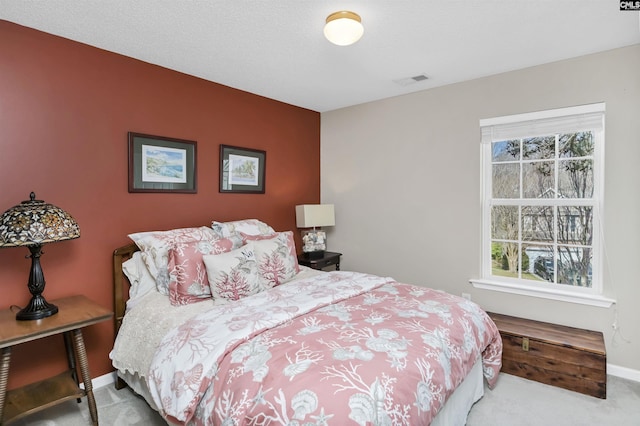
point(343, 28)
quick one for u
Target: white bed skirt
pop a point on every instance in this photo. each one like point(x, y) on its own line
point(456, 409)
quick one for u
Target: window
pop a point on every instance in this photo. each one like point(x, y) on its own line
point(542, 195)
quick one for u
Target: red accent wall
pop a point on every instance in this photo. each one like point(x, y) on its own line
point(65, 110)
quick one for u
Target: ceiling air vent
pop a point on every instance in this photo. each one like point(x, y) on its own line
point(411, 80)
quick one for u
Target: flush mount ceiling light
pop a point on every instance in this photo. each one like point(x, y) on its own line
point(343, 28)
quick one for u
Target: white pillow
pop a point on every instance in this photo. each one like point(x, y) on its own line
point(140, 280)
point(232, 275)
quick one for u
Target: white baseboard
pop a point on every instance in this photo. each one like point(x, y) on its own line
point(104, 380)
point(623, 372)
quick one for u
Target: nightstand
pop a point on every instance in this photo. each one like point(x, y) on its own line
point(329, 258)
point(75, 313)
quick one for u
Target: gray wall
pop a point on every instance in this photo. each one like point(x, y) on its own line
point(404, 175)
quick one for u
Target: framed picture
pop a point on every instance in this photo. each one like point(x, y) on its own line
point(242, 170)
point(159, 164)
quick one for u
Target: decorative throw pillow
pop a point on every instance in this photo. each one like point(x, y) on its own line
point(276, 257)
point(155, 246)
point(188, 281)
point(247, 226)
point(232, 275)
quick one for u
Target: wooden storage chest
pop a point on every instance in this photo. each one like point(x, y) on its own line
point(567, 357)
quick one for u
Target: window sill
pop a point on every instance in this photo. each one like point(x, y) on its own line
point(525, 290)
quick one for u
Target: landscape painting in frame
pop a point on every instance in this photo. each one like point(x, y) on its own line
point(161, 164)
point(242, 170)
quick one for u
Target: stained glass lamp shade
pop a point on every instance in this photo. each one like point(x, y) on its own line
point(33, 223)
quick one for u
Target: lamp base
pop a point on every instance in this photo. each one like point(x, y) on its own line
point(37, 308)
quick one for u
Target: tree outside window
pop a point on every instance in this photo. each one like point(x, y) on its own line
point(537, 241)
point(542, 197)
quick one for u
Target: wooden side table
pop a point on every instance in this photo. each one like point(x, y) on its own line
point(75, 313)
point(329, 258)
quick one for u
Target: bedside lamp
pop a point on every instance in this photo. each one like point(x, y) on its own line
point(312, 216)
point(33, 223)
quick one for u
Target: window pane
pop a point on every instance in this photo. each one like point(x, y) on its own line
point(575, 178)
point(540, 262)
point(542, 198)
point(539, 148)
point(538, 179)
point(574, 266)
point(575, 225)
point(504, 259)
point(504, 222)
point(506, 181)
point(576, 145)
point(505, 151)
point(537, 223)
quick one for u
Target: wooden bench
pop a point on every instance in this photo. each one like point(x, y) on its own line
point(567, 357)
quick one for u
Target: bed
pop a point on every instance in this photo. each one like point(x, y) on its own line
point(220, 325)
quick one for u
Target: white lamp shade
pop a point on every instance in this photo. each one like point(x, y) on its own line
point(312, 215)
point(343, 28)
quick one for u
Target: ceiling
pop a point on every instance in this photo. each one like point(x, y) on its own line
point(275, 48)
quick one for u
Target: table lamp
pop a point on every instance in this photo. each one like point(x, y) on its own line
point(312, 216)
point(33, 223)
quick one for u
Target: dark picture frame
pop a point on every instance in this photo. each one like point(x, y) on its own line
point(161, 164)
point(242, 170)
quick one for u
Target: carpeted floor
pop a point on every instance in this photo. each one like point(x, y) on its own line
point(115, 408)
point(520, 402)
point(514, 402)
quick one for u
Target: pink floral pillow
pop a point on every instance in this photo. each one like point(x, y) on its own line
point(188, 281)
point(276, 257)
point(233, 275)
point(155, 246)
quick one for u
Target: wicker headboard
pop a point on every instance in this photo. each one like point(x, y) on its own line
point(120, 282)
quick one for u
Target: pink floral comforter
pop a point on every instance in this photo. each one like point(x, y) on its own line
point(338, 348)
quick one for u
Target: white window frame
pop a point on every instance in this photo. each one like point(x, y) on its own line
point(543, 123)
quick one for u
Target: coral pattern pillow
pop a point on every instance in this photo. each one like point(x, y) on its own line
point(276, 257)
point(246, 226)
point(233, 275)
point(155, 246)
point(188, 281)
